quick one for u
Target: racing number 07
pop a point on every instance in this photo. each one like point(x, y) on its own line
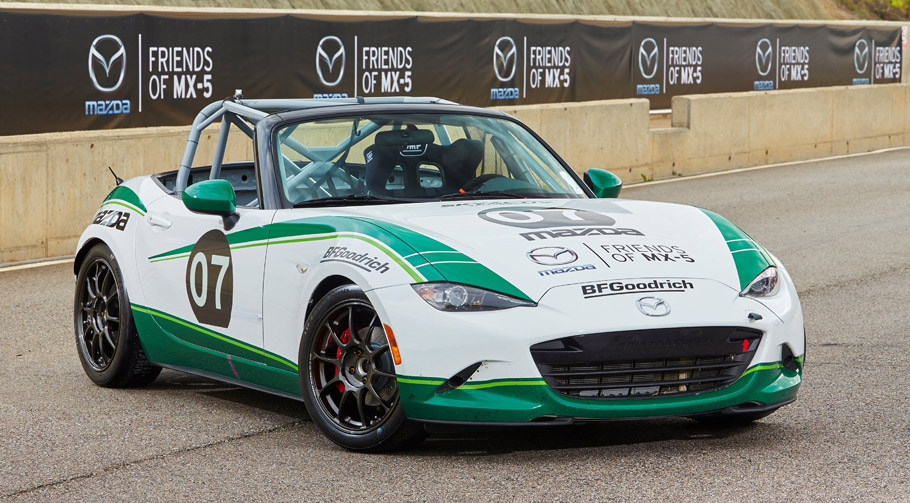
point(200, 298)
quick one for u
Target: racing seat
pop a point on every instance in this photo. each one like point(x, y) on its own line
point(411, 148)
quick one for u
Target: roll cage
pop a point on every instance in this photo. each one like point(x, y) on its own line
point(260, 120)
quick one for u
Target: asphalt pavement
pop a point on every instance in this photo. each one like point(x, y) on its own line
point(841, 226)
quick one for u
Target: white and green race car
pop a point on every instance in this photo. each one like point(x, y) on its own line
point(396, 262)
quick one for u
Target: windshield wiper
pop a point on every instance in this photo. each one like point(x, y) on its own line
point(346, 200)
point(490, 194)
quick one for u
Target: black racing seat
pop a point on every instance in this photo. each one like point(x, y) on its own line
point(411, 148)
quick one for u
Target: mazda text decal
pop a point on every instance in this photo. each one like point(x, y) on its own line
point(609, 288)
point(548, 223)
point(112, 218)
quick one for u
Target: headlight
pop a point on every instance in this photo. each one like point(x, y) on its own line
point(455, 297)
point(765, 284)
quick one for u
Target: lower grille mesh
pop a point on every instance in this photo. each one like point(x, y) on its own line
point(650, 363)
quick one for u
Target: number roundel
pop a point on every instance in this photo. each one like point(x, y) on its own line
point(210, 279)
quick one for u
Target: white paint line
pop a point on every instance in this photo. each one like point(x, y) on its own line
point(32, 265)
point(764, 166)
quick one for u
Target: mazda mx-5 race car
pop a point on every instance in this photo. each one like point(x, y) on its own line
point(395, 262)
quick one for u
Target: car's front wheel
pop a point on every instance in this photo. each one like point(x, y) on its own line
point(106, 336)
point(347, 375)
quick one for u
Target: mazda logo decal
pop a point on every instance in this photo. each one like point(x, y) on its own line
point(861, 55)
point(552, 256)
point(647, 58)
point(95, 54)
point(328, 53)
point(505, 58)
point(653, 306)
point(763, 57)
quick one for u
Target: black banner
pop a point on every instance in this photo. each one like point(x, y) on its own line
point(93, 70)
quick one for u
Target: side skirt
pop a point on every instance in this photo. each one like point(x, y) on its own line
point(184, 352)
point(221, 378)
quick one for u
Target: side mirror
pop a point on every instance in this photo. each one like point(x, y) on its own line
point(603, 183)
point(211, 196)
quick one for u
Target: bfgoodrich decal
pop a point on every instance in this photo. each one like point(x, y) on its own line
point(364, 261)
point(606, 289)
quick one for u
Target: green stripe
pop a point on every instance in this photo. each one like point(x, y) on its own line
point(470, 273)
point(183, 255)
point(435, 381)
point(126, 194)
point(504, 382)
point(124, 204)
point(215, 335)
point(420, 380)
point(393, 240)
point(750, 263)
point(762, 366)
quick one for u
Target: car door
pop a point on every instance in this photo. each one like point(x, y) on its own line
point(201, 289)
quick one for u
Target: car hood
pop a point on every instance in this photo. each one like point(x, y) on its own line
point(536, 245)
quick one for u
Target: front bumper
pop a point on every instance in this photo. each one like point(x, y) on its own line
point(508, 386)
point(533, 400)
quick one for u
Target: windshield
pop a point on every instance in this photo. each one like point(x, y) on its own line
point(415, 157)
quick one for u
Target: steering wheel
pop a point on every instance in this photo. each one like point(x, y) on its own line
point(475, 183)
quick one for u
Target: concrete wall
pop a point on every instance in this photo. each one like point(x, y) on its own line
point(52, 184)
point(723, 131)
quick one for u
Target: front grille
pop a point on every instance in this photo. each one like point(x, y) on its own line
point(646, 363)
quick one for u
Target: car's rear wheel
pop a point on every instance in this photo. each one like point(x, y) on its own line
point(347, 375)
point(106, 336)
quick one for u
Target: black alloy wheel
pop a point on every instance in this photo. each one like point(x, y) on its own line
point(98, 321)
point(348, 375)
point(106, 336)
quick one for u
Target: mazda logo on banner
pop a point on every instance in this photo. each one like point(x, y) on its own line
point(648, 58)
point(105, 52)
point(505, 57)
point(329, 53)
point(861, 56)
point(763, 58)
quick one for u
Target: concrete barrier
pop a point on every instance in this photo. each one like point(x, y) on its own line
point(716, 132)
point(52, 184)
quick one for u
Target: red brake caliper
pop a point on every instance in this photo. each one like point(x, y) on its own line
point(345, 338)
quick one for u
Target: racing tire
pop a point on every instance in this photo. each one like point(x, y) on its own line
point(106, 337)
point(347, 376)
